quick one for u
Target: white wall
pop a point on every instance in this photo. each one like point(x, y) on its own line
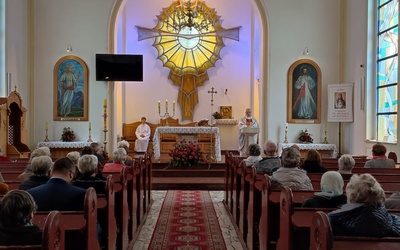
point(292, 25)
point(295, 25)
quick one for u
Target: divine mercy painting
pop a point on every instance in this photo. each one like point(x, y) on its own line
point(304, 92)
point(70, 89)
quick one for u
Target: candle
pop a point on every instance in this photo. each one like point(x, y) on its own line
point(90, 126)
point(326, 128)
point(166, 106)
point(105, 102)
point(159, 107)
point(173, 106)
point(47, 125)
point(286, 127)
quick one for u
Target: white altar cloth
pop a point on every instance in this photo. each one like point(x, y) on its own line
point(186, 130)
point(308, 146)
point(61, 144)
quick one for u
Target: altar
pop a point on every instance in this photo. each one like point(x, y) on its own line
point(60, 149)
point(325, 150)
point(186, 131)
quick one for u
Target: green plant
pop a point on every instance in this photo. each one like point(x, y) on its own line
point(305, 137)
point(185, 153)
point(217, 115)
point(68, 134)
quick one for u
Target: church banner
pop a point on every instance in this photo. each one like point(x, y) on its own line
point(340, 106)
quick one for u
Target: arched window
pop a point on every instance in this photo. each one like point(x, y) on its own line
point(387, 17)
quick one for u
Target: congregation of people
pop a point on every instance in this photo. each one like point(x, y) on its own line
point(361, 205)
point(60, 185)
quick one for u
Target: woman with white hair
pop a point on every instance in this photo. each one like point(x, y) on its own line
point(87, 166)
point(364, 214)
point(346, 164)
point(119, 157)
point(331, 195)
point(35, 153)
point(289, 175)
point(40, 167)
point(125, 145)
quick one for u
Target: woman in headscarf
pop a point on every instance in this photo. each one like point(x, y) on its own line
point(331, 195)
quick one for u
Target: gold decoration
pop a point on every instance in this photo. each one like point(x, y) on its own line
point(226, 112)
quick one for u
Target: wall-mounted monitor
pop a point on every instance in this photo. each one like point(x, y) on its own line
point(119, 67)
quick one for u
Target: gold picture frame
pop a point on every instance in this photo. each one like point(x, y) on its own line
point(226, 112)
point(70, 89)
point(304, 92)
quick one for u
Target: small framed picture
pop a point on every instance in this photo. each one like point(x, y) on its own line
point(226, 112)
point(71, 89)
point(340, 106)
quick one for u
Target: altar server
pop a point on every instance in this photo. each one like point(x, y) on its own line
point(143, 136)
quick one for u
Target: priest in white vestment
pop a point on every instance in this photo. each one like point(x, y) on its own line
point(142, 136)
point(247, 121)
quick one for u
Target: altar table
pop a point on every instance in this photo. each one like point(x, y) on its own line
point(326, 150)
point(186, 130)
point(60, 149)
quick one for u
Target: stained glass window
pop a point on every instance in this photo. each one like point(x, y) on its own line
point(387, 70)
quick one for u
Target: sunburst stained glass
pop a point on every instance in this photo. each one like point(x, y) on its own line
point(387, 70)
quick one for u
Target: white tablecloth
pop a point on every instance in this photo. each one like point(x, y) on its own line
point(308, 146)
point(61, 144)
point(186, 130)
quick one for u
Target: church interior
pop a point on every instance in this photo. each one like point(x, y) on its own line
point(301, 67)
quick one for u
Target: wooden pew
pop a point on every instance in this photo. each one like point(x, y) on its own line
point(321, 238)
point(10, 175)
point(378, 176)
point(107, 204)
point(80, 226)
point(53, 234)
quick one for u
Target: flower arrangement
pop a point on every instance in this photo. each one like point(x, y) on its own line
point(68, 134)
point(217, 115)
point(305, 137)
point(185, 153)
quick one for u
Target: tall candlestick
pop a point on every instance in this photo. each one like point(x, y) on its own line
point(159, 107)
point(326, 128)
point(90, 126)
point(47, 125)
point(166, 105)
point(105, 102)
point(173, 106)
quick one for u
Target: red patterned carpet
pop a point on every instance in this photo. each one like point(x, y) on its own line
point(187, 220)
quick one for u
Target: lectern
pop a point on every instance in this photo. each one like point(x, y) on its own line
point(250, 134)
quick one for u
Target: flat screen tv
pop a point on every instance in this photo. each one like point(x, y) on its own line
point(119, 67)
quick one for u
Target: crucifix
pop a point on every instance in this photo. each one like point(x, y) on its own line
point(212, 92)
point(211, 157)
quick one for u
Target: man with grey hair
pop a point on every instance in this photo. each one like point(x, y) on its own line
point(271, 162)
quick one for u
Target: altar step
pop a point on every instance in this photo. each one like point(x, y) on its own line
point(198, 177)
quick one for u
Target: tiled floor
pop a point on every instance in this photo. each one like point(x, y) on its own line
point(228, 230)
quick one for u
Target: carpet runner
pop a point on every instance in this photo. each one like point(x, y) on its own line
point(187, 220)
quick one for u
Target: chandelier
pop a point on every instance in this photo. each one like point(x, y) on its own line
point(188, 37)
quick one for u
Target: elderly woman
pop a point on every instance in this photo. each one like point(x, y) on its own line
point(346, 164)
point(40, 167)
point(87, 166)
point(125, 145)
point(312, 162)
point(331, 195)
point(289, 175)
point(35, 153)
point(119, 157)
point(254, 154)
point(364, 214)
point(16, 227)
